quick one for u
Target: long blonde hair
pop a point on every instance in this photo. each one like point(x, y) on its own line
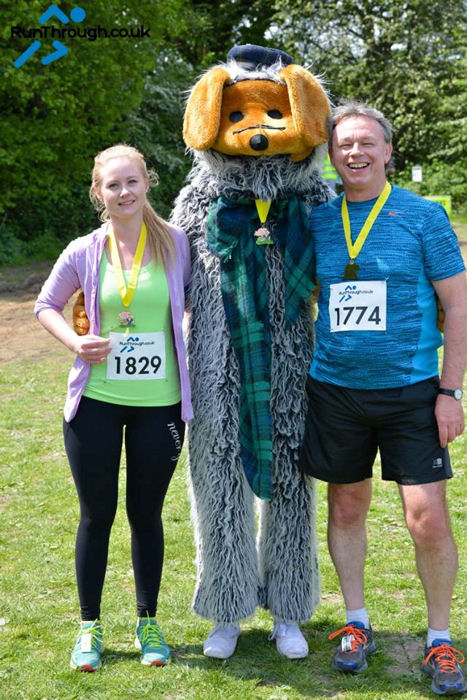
point(160, 236)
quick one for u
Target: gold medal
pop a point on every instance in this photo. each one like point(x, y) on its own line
point(351, 270)
point(126, 318)
point(263, 236)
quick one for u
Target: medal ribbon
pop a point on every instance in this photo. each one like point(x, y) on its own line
point(127, 293)
point(355, 248)
point(263, 207)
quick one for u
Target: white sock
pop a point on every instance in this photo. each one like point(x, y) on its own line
point(437, 634)
point(358, 615)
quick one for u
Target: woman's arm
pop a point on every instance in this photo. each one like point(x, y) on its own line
point(90, 348)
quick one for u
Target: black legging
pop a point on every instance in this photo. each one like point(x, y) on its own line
point(93, 443)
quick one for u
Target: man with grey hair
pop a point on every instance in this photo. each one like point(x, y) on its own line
point(383, 254)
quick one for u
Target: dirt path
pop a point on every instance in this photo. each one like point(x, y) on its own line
point(26, 338)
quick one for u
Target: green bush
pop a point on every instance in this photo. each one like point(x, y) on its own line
point(12, 250)
point(439, 178)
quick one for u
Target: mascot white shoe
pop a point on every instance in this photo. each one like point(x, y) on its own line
point(257, 128)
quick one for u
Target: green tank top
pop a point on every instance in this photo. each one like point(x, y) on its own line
point(142, 368)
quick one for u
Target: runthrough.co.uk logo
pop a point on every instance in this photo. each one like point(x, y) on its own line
point(76, 16)
point(351, 291)
point(346, 295)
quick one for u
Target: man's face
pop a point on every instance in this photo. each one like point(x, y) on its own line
point(360, 154)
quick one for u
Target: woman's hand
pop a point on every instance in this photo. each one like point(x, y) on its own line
point(89, 348)
point(92, 348)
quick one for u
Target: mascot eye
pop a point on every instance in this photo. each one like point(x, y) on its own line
point(236, 116)
point(275, 114)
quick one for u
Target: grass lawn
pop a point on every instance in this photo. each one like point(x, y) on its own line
point(39, 608)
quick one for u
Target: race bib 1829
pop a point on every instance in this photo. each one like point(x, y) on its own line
point(358, 306)
point(136, 356)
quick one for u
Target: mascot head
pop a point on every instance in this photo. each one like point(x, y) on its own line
point(259, 103)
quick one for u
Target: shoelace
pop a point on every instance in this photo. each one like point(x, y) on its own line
point(359, 637)
point(151, 634)
point(447, 657)
point(95, 630)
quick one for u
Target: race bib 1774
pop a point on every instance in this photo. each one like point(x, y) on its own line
point(136, 356)
point(358, 306)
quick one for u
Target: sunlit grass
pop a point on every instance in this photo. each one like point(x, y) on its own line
point(39, 609)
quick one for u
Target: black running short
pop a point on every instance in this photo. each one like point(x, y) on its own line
point(346, 427)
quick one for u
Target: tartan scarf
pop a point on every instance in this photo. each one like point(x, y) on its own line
point(230, 237)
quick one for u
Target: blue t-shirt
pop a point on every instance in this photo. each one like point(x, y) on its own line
point(410, 244)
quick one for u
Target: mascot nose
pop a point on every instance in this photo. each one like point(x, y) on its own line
point(259, 142)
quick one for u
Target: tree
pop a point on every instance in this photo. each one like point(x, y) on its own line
point(56, 117)
point(155, 127)
point(218, 25)
point(205, 33)
point(403, 56)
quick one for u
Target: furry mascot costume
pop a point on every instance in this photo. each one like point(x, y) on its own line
point(257, 128)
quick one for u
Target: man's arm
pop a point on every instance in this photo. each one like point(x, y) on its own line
point(449, 412)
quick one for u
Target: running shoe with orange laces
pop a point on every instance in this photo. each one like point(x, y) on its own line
point(356, 643)
point(441, 662)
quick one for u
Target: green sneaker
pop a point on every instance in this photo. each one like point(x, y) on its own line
point(86, 655)
point(149, 638)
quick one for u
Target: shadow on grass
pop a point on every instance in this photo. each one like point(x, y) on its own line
point(394, 669)
point(111, 657)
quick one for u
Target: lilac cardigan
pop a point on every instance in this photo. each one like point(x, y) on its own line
point(78, 266)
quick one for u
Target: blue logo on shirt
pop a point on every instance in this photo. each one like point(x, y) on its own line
point(345, 296)
point(129, 344)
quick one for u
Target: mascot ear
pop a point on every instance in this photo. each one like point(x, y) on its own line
point(309, 103)
point(203, 110)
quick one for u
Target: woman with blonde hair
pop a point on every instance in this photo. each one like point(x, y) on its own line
point(129, 381)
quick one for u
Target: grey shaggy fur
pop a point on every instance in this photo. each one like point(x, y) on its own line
point(240, 566)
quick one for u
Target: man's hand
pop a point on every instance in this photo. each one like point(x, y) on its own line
point(449, 413)
point(450, 418)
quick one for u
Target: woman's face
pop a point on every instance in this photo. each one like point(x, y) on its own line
point(123, 187)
